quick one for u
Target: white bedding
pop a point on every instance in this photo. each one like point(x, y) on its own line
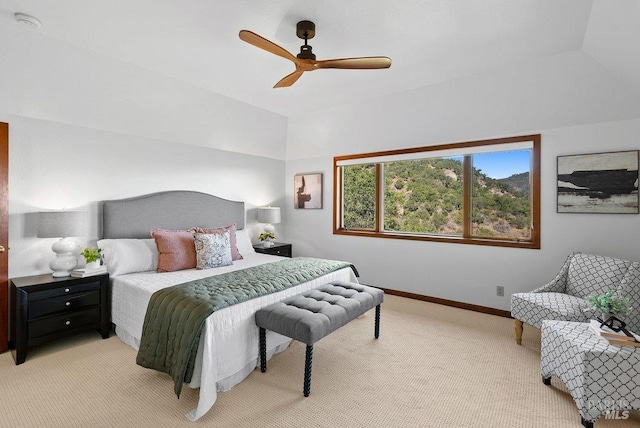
point(229, 351)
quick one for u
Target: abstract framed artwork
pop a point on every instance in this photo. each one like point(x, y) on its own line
point(307, 191)
point(599, 183)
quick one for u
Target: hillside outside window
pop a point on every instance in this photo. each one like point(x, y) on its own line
point(481, 192)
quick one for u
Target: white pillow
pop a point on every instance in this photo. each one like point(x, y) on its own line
point(123, 256)
point(243, 242)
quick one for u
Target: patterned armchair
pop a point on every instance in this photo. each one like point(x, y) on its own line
point(564, 297)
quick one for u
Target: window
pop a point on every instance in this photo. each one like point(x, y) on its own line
point(480, 192)
point(359, 196)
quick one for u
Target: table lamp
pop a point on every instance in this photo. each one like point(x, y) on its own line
point(61, 224)
point(269, 215)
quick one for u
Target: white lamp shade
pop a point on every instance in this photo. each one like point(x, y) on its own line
point(60, 224)
point(269, 215)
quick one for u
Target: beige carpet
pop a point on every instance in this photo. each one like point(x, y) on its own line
point(433, 366)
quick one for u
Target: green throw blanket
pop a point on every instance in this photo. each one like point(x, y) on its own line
point(176, 315)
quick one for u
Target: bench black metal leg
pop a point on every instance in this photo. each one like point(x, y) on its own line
point(586, 423)
point(263, 350)
point(307, 370)
point(377, 328)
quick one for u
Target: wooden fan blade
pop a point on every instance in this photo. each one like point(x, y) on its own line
point(370, 62)
point(262, 43)
point(289, 79)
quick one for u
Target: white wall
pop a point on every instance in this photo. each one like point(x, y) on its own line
point(575, 104)
point(55, 166)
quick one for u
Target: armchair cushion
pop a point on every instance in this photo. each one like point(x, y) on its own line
point(533, 308)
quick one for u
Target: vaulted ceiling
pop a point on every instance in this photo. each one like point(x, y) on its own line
point(429, 42)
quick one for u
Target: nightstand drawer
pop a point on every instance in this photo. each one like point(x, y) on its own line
point(283, 252)
point(63, 291)
point(277, 249)
point(68, 303)
point(59, 323)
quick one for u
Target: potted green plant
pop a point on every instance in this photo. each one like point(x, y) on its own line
point(609, 305)
point(91, 257)
point(267, 239)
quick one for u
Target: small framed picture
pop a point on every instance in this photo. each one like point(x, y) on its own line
point(307, 191)
point(598, 183)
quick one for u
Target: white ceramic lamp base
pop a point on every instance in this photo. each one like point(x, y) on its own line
point(269, 228)
point(65, 261)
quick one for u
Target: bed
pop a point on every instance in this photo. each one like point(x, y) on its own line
point(228, 351)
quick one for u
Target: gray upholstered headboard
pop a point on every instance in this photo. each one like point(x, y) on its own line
point(173, 210)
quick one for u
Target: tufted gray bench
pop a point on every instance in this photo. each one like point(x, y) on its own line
point(310, 316)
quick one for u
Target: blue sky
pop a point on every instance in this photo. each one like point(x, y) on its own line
point(502, 164)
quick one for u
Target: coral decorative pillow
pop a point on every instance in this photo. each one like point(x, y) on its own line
point(176, 249)
point(212, 250)
point(235, 254)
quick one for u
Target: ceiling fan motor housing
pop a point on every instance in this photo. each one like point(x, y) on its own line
point(305, 52)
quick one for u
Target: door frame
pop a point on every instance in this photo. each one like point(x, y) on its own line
point(4, 236)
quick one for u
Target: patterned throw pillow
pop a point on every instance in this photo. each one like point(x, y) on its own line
point(235, 254)
point(213, 250)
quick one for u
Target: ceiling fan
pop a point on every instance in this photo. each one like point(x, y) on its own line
point(306, 60)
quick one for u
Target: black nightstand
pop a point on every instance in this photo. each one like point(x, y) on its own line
point(278, 249)
point(44, 308)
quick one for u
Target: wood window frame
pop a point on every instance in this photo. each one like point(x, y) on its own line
point(466, 238)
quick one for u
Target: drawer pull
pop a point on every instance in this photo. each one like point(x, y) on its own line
point(67, 323)
point(67, 304)
point(66, 290)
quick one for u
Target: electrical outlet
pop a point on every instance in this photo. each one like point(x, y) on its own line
point(500, 290)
